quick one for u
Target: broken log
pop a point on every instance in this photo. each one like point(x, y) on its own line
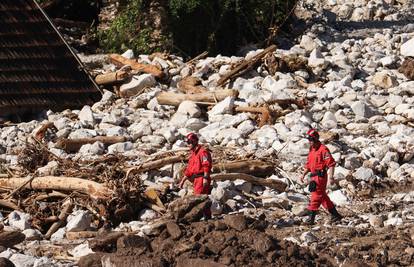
point(255, 167)
point(120, 60)
point(80, 235)
point(91, 188)
point(175, 99)
point(264, 111)
point(9, 239)
point(271, 183)
point(8, 204)
point(111, 78)
point(245, 66)
point(156, 164)
point(191, 85)
point(67, 209)
point(73, 145)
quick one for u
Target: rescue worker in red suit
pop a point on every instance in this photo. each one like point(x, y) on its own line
point(321, 165)
point(198, 169)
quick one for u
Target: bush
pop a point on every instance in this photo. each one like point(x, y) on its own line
point(192, 26)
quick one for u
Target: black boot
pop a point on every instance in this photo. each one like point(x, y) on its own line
point(311, 219)
point(336, 217)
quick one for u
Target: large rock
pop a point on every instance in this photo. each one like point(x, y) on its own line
point(189, 108)
point(32, 234)
point(361, 109)
point(136, 84)
point(22, 260)
point(86, 117)
point(384, 80)
point(407, 49)
point(79, 220)
point(120, 147)
point(338, 198)
point(364, 174)
point(19, 220)
point(224, 107)
point(316, 59)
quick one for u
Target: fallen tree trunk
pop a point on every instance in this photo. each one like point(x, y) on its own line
point(111, 78)
point(256, 167)
point(156, 164)
point(120, 60)
point(191, 85)
point(245, 66)
point(274, 184)
point(91, 188)
point(73, 145)
point(175, 99)
point(9, 239)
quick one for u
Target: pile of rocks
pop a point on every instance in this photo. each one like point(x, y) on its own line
point(355, 93)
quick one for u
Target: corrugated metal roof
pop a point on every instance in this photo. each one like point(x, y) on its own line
point(37, 69)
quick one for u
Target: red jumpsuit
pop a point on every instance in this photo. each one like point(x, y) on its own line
point(319, 159)
point(199, 163)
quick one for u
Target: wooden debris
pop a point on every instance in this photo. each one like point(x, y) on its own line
point(264, 111)
point(153, 165)
point(200, 56)
point(81, 235)
point(67, 209)
point(10, 239)
point(152, 195)
point(271, 183)
point(284, 103)
point(256, 167)
point(245, 66)
point(91, 188)
point(120, 60)
point(73, 145)
point(112, 77)
point(8, 204)
point(407, 68)
point(191, 85)
point(40, 134)
point(175, 99)
point(53, 194)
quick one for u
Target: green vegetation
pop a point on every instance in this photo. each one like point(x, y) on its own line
point(192, 26)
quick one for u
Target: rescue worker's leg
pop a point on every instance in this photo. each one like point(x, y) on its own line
point(327, 204)
point(199, 189)
point(315, 202)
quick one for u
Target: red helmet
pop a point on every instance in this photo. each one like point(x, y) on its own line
point(191, 138)
point(312, 135)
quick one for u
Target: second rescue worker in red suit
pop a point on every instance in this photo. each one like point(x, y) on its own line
point(321, 165)
point(198, 169)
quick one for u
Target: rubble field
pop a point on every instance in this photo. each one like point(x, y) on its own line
point(98, 186)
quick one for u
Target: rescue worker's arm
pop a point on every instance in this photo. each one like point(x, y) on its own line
point(302, 178)
point(331, 171)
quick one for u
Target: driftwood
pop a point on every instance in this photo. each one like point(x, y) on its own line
point(274, 184)
point(9, 239)
point(156, 164)
point(91, 188)
point(73, 145)
point(264, 111)
point(81, 235)
point(8, 204)
point(120, 60)
point(67, 209)
point(101, 243)
point(191, 85)
point(111, 78)
point(255, 167)
point(175, 99)
point(245, 66)
point(40, 134)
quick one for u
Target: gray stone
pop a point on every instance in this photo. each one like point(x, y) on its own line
point(129, 54)
point(364, 174)
point(393, 222)
point(58, 235)
point(147, 215)
point(243, 186)
point(44, 262)
point(376, 221)
point(338, 198)
point(120, 147)
point(80, 251)
point(189, 108)
point(79, 220)
point(361, 109)
point(299, 210)
point(19, 220)
point(224, 107)
point(82, 133)
point(22, 260)
point(32, 234)
point(86, 117)
point(137, 84)
point(316, 59)
point(96, 148)
point(137, 130)
point(195, 124)
point(51, 168)
point(246, 127)
point(407, 49)
point(308, 237)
